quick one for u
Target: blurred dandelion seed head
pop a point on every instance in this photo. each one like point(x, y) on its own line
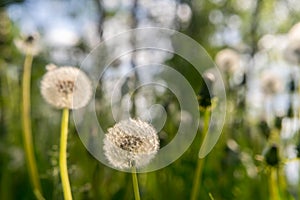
point(292, 52)
point(294, 33)
point(131, 143)
point(228, 60)
point(271, 84)
point(267, 42)
point(209, 77)
point(66, 87)
point(184, 12)
point(29, 44)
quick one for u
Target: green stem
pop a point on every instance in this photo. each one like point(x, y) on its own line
point(27, 132)
point(200, 162)
point(135, 184)
point(63, 155)
point(273, 185)
point(197, 179)
point(211, 196)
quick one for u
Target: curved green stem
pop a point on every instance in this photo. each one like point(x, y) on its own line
point(63, 155)
point(27, 132)
point(135, 184)
point(200, 162)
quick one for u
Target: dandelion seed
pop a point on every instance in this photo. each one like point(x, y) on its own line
point(66, 87)
point(131, 143)
point(29, 44)
point(228, 60)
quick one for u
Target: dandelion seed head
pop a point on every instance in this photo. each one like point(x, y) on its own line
point(209, 77)
point(292, 51)
point(184, 12)
point(130, 143)
point(271, 84)
point(228, 60)
point(294, 33)
point(66, 87)
point(266, 42)
point(29, 44)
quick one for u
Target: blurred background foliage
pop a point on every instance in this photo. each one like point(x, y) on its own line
point(239, 165)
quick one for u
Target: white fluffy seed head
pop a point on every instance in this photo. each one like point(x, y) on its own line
point(66, 87)
point(228, 60)
point(29, 44)
point(131, 143)
point(271, 84)
point(294, 32)
point(292, 51)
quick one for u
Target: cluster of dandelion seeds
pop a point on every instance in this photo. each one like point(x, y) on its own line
point(66, 87)
point(131, 143)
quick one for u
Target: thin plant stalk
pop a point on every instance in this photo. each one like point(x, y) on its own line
point(27, 132)
point(135, 184)
point(197, 179)
point(273, 185)
point(200, 162)
point(211, 196)
point(63, 155)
